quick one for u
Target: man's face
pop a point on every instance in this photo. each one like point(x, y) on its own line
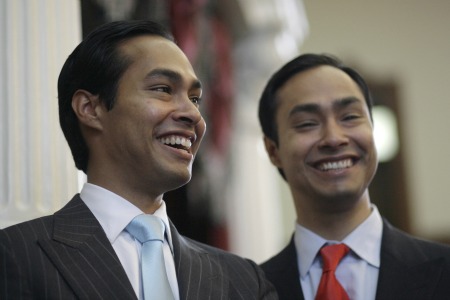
point(153, 132)
point(325, 147)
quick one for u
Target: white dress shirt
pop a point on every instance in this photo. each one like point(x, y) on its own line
point(114, 213)
point(358, 270)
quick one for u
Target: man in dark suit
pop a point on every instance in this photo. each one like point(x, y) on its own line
point(129, 108)
point(316, 118)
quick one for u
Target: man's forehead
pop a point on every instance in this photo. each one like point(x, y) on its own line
point(322, 81)
point(145, 43)
point(160, 57)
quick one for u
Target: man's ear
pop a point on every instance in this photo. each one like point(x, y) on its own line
point(272, 151)
point(88, 108)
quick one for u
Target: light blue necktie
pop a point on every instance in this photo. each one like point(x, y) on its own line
point(149, 230)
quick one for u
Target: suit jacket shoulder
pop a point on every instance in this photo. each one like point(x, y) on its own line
point(412, 268)
point(63, 256)
point(206, 272)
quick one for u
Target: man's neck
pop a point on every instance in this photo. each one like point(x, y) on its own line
point(144, 200)
point(334, 224)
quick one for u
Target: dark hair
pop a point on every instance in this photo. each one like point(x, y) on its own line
point(96, 66)
point(268, 102)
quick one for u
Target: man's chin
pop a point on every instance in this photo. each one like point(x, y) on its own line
point(340, 198)
point(181, 181)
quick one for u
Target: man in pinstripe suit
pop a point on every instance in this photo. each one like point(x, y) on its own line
point(128, 104)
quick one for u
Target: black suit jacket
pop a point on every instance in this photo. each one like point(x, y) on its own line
point(68, 256)
point(409, 269)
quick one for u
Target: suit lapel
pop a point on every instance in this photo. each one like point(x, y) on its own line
point(291, 276)
point(199, 274)
point(84, 256)
point(405, 272)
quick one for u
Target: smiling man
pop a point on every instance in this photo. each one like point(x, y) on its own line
point(316, 118)
point(129, 109)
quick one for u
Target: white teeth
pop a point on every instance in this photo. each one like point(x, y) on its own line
point(176, 140)
point(336, 165)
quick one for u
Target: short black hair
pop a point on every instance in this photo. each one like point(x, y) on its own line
point(96, 66)
point(268, 103)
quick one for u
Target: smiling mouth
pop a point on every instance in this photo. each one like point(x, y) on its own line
point(178, 142)
point(335, 165)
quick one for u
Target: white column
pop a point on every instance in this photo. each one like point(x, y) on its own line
point(260, 212)
point(38, 175)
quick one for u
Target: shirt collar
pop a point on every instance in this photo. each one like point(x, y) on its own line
point(365, 242)
point(114, 213)
point(307, 244)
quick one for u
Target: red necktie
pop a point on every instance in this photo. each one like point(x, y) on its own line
point(329, 286)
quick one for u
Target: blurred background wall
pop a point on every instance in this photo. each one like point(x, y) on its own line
point(406, 44)
point(236, 199)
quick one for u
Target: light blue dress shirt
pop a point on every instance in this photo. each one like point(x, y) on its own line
point(358, 270)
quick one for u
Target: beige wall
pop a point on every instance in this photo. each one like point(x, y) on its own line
point(406, 41)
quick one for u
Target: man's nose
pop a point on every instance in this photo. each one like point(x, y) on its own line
point(333, 135)
point(187, 112)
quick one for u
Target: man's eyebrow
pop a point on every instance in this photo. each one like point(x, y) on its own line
point(345, 102)
point(172, 76)
point(308, 108)
point(315, 108)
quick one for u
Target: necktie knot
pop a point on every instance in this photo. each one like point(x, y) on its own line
point(332, 255)
point(146, 228)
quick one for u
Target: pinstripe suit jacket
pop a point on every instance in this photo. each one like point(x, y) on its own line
point(410, 269)
point(68, 256)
